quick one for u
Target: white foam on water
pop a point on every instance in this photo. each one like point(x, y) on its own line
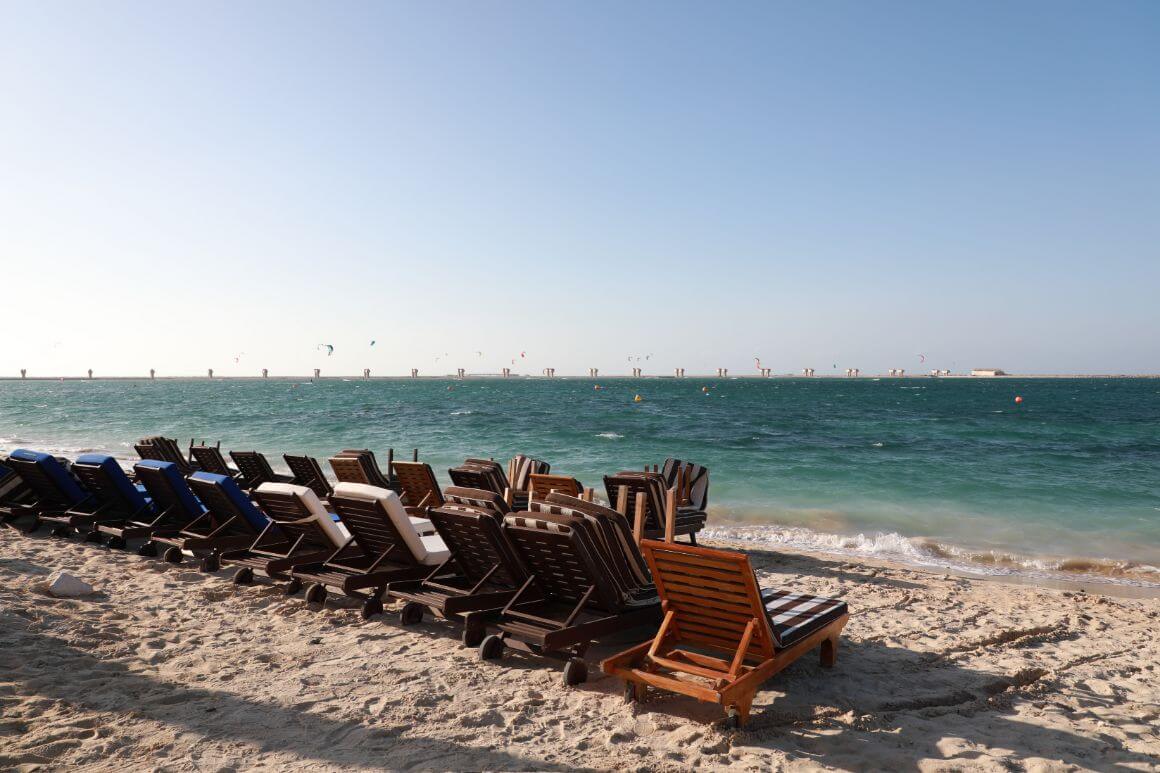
point(609, 435)
point(892, 546)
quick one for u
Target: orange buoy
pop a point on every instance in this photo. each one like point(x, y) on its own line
point(638, 399)
point(1018, 399)
point(705, 390)
point(596, 387)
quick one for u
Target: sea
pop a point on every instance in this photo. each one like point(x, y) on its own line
point(950, 473)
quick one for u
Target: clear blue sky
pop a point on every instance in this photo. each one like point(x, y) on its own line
point(811, 183)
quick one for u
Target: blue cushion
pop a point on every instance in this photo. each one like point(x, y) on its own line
point(116, 478)
point(68, 488)
point(237, 497)
point(172, 479)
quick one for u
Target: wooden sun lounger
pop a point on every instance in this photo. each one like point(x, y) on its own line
point(288, 540)
point(420, 488)
point(375, 555)
point(14, 492)
point(213, 519)
point(255, 469)
point(117, 512)
point(566, 603)
point(307, 472)
point(647, 494)
point(358, 465)
point(712, 603)
point(480, 576)
point(541, 485)
point(53, 492)
point(211, 459)
point(164, 449)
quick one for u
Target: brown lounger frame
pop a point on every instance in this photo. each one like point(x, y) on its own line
point(711, 601)
point(255, 469)
point(307, 472)
point(540, 485)
point(647, 495)
point(420, 488)
point(218, 529)
point(289, 540)
point(210, 459)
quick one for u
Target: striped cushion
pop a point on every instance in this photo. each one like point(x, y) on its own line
point(796, 615)
point(536, 523)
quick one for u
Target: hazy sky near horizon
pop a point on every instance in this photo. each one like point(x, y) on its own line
point(814, 184)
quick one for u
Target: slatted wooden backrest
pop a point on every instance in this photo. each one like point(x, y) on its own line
point(149, 451)
point(471, 476)
point(372, 528)
point(307, 472)
point(285, 510)
point(477, 544)
point(647, 487)
point(562, 563)
point(348, 470)
point(159, 488)
point(210, 459)
point(95, 479)
point(254, 468)
point(222, 509)
point(370, 468)
point(541, 485)
point(478, 499)
point(419, 484)
point(712, 594)
point(44, 488)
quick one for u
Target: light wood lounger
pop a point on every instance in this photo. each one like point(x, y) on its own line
point(541, 485)
point(420, 488)
point(712, 603)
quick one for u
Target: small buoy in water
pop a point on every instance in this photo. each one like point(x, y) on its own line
point(705, 390)
point(638, 399)
point(596, 387)
point(450, 388)
point(1018, 399)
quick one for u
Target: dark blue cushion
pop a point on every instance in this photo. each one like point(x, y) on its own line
point(176, 487)
point(116, 479)
point(229, 487)
point(68, 488)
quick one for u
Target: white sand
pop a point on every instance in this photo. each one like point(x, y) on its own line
point(173, 669)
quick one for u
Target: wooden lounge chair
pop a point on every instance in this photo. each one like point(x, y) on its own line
point(479, 576)
point(360, 466)
point(383, 547)
point(14, 492)
point(53, 491)
point(290, 538)
point(164, 449)
point(233, 522)
point(485, 475)
point(567, 602)
point(650, 489)
point(255, 469)
point(519, 472)
point(691, 482)
point(420, 488)
point(307, 472)
point(121, 511)
point(203, 529)
point(211, 459)
point(712, 604)
point(541, 485)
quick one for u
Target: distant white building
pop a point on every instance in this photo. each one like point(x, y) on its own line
point(987, 372)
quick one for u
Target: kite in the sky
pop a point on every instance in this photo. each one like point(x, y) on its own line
point(922, 358)
point(757, 362)
point(479, 353)
point(372, 343)
point(328, 347)
point(238, 357)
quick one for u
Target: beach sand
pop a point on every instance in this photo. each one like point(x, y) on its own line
point(172, 669)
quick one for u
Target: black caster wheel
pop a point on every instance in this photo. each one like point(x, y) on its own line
point(148, 550)
point(316, 594)
point(94, 536)
point(411, 613)
point(63, 532)
point(491, 648)
point(173, 555)
point(34, 526)
point(473, 635)
point(293, 586)
point(575, 672)
point(732, 718)
point(244, 576)
point(371, 607)
point(210, 564)
point(116, 543)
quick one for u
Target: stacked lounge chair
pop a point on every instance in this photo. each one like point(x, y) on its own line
point(53, 492)
point(648, 495)
point(420, 488)
point(713, 604)
point(358, 465)
point(307, 472)
point(255, 469)
point(479, 575)
point(211, 459)
point(383, 547)
point(163, 449)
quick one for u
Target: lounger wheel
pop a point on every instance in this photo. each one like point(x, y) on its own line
point(148, 550)
point(491, 648)
point(371, 607)
point(575, 672)
point(244, 576)
point(94, 536)
point(61, 531)
point(293, 586)
point(732, 718)
point(473, 635)
point(211, 563)
point(411, 613)
point(316, 594)
point(116, 543)
point(34, 526)
point(174, 555)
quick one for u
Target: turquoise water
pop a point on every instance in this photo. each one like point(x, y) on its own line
point(927, 470)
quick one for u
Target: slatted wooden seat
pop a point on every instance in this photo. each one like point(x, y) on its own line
point(218, 516)
point(210, 459)
point(479, 577)
point(420, 488)
point(255, 469)
point(163, 449)
point(375, 554)
point(649, 488)
point(53, 492)
point(566, 603)
point(307, 472)
point(121, 512)
point(368, 470)
point(713, 607)
point(288, 540)
point(14, 492)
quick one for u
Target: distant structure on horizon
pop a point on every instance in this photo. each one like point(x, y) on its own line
point(937, 372)
point(808, 371)
point(987, 372)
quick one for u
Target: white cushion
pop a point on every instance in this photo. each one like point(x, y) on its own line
point(422, 525)
point(429, 551)
point(313, 505)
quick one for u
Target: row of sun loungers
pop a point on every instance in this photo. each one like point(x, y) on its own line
point(549, 572)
